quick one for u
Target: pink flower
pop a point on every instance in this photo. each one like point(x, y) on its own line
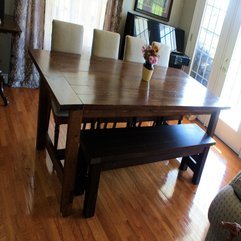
point(150, 53)
point(153, 59)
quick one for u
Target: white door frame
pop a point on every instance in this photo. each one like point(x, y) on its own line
point(225, 46)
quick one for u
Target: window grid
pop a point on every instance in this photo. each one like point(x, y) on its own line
point(208, 40)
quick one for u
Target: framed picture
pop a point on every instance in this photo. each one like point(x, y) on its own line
point(160, 9)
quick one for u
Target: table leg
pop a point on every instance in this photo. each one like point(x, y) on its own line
point(43, 115)
point(213, 123)
point(5, 100)
point(71, 161)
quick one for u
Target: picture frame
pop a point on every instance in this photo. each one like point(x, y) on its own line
point(160, 9)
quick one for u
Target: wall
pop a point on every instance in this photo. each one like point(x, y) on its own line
point(186, 17)
point(181, 15)
point(5, 40)
point(9, 7)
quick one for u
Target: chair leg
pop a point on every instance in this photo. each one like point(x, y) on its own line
point(84, 126)
point(91, 190)
point(56, 135)
point(92, 125)
point(105, 125)
point(159, 121)
point(98, 125)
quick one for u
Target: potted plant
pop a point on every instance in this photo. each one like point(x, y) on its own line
point(150, 54)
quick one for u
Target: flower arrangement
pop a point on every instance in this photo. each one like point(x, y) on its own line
point(150, 54)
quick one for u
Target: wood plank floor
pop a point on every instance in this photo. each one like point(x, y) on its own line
point(147, 202)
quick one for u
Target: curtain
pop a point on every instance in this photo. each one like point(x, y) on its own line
point(29, 14)
point(113, 15)
point(88, 13)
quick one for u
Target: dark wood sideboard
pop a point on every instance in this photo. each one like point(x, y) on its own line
point(152, 30)
point(8, 25)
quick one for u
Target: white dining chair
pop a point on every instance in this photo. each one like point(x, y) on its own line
point(105, 44)
point(67, 37)
point(163, 61)
point(133, 49)
point(164, 54)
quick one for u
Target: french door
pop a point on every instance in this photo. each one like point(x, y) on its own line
point(229, 82)
point(217, 63)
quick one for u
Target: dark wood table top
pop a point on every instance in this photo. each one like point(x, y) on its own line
point(98, 87)
point(9, 25)
point(96, 83)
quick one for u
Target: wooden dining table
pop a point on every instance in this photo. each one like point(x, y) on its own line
point(93, 87)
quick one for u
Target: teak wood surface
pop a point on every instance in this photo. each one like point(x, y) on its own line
point(98, 87)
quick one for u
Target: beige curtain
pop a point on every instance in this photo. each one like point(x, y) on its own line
point(75, 11)
point(29, 14)
point(113, 15)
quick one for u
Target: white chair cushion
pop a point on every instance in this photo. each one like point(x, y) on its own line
point(164, 54)
point(133, 49)
point(105, 44)
point(67, 37)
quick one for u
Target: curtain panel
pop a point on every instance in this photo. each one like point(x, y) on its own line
point(29, 15)
point(113, 15)
point(89, 13)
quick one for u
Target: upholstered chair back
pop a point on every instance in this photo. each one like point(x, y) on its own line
point(132, 50)
point(67, 37)
point(105, 44)
point(164, 54)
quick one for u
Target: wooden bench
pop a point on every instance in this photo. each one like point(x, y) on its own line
point(106, 149)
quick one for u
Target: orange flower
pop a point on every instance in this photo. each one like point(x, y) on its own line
point(155, 48)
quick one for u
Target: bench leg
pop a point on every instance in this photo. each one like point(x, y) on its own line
point(199, 166)
point(196, 164)
point(183, 165)
point(91, 190)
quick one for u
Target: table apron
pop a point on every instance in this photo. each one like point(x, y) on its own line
point(141, 113)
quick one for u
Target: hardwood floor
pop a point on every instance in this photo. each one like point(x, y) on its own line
point(147, 202)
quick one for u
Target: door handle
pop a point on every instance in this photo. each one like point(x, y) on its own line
point(224, 67)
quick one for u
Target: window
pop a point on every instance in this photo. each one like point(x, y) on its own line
point(89, 13)
point(210, 31)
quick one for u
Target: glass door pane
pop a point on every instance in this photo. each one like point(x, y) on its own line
point(225, 78)
point(210, 30)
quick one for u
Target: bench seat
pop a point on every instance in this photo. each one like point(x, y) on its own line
point(106, 149)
